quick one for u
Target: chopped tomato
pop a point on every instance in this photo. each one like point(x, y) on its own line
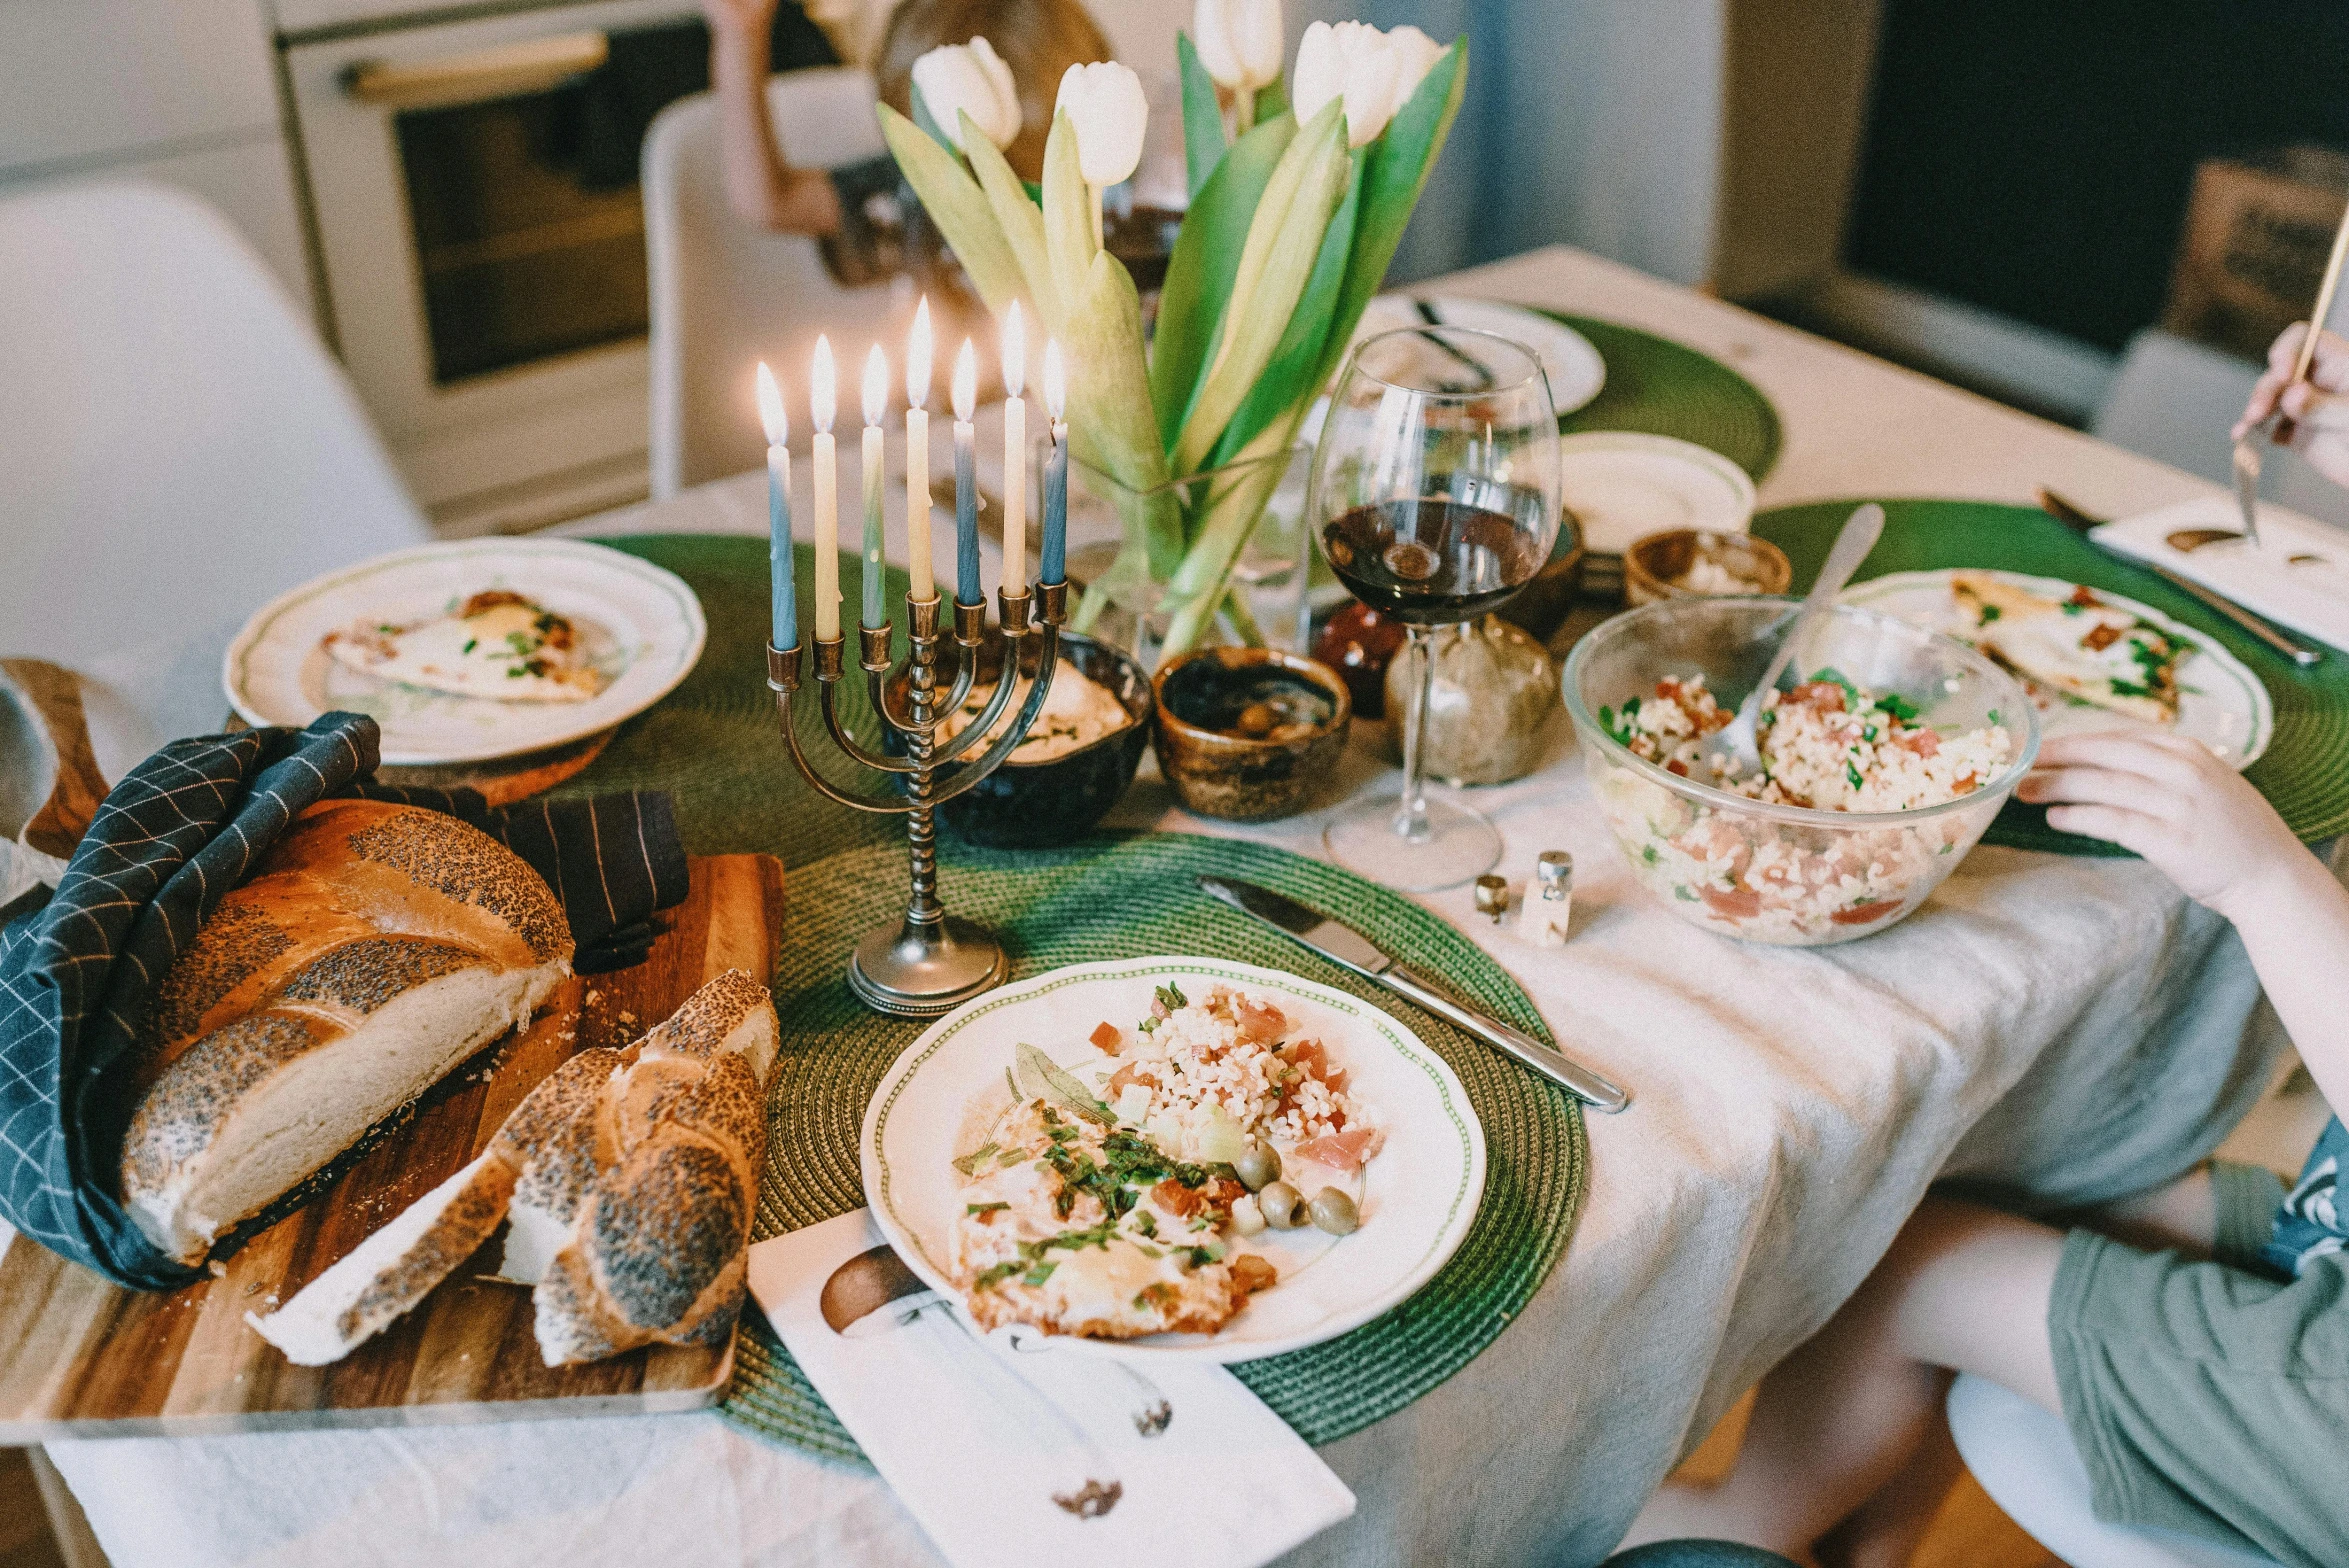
point(1676, 766)
point(1260, 1021)
point(1131, 1073)
point(1736, 903)
point(1340, 1150)
point(1825, 696)
point(1923, 742)
point(2085, 597)
point(1864, 914)
point(1106, 1037)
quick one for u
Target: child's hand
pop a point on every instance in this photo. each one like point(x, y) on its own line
point(2316, 408)
point(2171, 801)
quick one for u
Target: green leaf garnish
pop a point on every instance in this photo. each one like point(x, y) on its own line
point(983, 1208)
point(970, 1162)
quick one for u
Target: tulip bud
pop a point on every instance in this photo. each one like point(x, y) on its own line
point(1362, 65)
point(959, 79)
point(1240, 42)
point(1109, 113)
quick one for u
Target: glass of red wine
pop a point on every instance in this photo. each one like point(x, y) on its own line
point(1435, 497)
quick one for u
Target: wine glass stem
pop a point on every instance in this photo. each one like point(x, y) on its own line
point(1411, 818)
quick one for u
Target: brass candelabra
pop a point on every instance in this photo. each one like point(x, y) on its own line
point(930, 962)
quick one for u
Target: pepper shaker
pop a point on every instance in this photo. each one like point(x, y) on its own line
point(1551, 905)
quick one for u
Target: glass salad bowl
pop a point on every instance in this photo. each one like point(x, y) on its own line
point(1767, 872)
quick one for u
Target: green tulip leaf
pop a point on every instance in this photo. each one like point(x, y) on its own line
point(1272, 100)
point(1393, 176)
point(1203, 138)
point(1113, 430)
point(1204, 579)
point(1206, 258)
point(1019, 219)
point(1284, 241)
point(955, 203)
point(1068, 213)
point(1290, 377)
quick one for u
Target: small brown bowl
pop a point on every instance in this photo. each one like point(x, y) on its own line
point(1219, 770)
point(1654, 565)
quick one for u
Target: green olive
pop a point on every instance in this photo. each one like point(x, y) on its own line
point(1256, 1166)
point(1334, 1212)
point(1280, 1203)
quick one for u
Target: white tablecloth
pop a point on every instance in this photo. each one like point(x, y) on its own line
point(2060, 1029)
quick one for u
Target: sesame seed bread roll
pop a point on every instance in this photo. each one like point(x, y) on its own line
point(377, 947)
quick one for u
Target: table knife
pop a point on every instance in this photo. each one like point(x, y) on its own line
point(1348, 948)
point(2081, 522)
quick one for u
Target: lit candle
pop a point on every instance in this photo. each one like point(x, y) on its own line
point(780, 585)
point(966, 484)
point(1015, 453)
point(827, 483)
point(1055, 466)
point(876, 410)
point(917, 451)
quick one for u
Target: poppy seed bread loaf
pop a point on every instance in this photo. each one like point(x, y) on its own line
point(377, 947)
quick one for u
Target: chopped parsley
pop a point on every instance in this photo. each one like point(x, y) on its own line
point(1836, 677)
point(983, 1208)
point(969, 1163)
point(1039, 1274)
point(1990, 612)
point(1853, 775)
point(470, 644)
point(1902, 710)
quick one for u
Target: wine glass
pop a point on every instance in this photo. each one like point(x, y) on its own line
point(1435, 497)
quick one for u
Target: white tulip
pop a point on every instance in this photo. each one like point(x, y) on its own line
point(1373, 72)
point(1240, 42)
point(959, 79)
point(1109, 112)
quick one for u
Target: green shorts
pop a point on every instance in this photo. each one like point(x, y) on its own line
point(2211, 1397)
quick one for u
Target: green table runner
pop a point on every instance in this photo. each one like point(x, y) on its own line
point(2306, 769)
point(1663, 388)
point(1121, 898)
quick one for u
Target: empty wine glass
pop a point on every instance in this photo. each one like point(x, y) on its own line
point(1435, 497)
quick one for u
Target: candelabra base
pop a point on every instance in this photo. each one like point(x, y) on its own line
point(917, 972)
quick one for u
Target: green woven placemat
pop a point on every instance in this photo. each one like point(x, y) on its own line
point(2305, 771)
point(1123, 898)
point(1663, 388)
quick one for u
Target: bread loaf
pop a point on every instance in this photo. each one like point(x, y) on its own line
point(376, 948)
point(628, 1179)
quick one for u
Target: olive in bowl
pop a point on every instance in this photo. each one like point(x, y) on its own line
point(1077, 761)
point(1248, 734)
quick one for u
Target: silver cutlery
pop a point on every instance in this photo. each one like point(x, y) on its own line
point(1467, 361)
point(2081, 522)
point(1733, 750)
point(1348, 948)
point(2250, 449)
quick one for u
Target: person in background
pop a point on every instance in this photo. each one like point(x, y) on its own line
point(2195, 1339)
point(1038, 39)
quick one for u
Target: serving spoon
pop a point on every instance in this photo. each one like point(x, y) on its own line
point(1732, 750)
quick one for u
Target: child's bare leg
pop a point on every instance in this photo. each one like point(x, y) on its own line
point(1963, 1288)
point(1891, 1525)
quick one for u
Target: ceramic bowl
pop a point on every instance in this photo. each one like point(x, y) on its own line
point(1654, 565)
point(1217, 771)
point(1039, 805)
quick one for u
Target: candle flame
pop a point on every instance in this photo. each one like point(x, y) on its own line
point(917, 357)
point(966, 382)
point(1055, 380)
point(1015, 352)
point(772, 414)
point(876, 386)
point(820, 390)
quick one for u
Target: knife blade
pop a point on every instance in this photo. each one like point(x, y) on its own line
point(1348, 948)
point(2081, 522)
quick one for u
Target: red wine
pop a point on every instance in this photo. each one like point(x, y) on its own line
point(1430, 560)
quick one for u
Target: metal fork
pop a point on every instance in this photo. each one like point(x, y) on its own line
point(2250, 451)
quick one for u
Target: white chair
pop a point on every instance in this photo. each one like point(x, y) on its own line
point(2024, 1458)
point(176, 447)
point(726, 294)
point(2176, 401)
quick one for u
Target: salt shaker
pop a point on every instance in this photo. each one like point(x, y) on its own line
point(1551, 903)
point(1492, 897)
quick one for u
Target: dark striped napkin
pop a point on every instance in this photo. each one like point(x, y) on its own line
point(78, 967)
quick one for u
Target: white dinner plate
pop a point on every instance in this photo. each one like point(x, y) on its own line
point(2220, 703)
point(1575, 369)
point(639, 625)
point(1420, 1191)
point(1621, 485)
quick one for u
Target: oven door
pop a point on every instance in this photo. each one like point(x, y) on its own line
point(482, 243)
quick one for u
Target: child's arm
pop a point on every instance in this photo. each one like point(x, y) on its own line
point(2197, 820)
point(760, 186)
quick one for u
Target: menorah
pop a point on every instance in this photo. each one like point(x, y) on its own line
point(929, 962)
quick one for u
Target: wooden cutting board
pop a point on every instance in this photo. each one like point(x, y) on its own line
point(80, 1357)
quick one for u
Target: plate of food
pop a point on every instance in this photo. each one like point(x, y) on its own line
point(2090, 660)
point(472, 649)
point(1172, 1157)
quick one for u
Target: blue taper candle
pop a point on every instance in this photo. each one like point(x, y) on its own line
point(1055, 565)
point(966, 482)
point(783, 589)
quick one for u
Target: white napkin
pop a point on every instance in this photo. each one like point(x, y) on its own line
point(2309, 597)
point(979, 1440)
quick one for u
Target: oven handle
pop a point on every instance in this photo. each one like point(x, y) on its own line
point(507, 71)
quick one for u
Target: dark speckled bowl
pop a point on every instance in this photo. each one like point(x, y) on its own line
point(1219, 773)
point(1037, 805)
